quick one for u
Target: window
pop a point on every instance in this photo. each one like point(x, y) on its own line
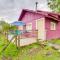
point(20, 27)
point(29, 26)
point(53, 25)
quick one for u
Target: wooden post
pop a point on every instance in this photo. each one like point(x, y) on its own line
point(7, 35)
point(37, 37)
point(18, 40)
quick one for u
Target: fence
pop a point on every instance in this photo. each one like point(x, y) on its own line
point(30, 34)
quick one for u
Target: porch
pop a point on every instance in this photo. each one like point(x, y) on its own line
point(22, 36)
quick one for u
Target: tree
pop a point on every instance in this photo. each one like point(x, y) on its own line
point(13, 27)
point(4, 28)
point(54, 5)
point(7, 27)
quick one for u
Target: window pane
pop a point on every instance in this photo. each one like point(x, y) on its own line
point(29, 26)
point(53, 26)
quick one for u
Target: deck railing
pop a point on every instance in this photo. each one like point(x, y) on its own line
point(29, 34)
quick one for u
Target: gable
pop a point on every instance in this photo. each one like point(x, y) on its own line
point(29, 16)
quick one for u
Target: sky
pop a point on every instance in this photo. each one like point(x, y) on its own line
point(11, 9)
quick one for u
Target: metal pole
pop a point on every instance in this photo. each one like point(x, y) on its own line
point(36, 5)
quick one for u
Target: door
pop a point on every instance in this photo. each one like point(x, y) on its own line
point(40, 25)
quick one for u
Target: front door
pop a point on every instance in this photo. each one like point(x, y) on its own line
point(40, 25)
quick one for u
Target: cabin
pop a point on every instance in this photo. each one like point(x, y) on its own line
point(46, 23)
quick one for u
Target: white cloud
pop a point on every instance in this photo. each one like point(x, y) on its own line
point(10, 9)
point(43, 7)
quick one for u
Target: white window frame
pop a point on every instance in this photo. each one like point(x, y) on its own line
point(53, 25)
point(29, 26)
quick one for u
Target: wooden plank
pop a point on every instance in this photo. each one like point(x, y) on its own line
point(18, 40)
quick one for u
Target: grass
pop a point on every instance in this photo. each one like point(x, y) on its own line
point(3, 42)
point(41, 54)
point(56, 41)
point(30, 52)
point(45, 53)
point(11, 50)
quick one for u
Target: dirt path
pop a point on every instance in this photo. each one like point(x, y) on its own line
point(55, 46)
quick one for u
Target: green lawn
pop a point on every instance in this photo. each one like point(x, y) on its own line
point(31, 52)
point(57, 41)
point(11, 50)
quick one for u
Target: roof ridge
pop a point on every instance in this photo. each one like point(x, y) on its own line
point(42, 11)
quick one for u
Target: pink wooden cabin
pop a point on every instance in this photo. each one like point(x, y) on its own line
point(47, 23)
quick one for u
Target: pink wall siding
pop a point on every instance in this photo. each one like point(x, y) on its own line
point(52, 34)
point(31, 17)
